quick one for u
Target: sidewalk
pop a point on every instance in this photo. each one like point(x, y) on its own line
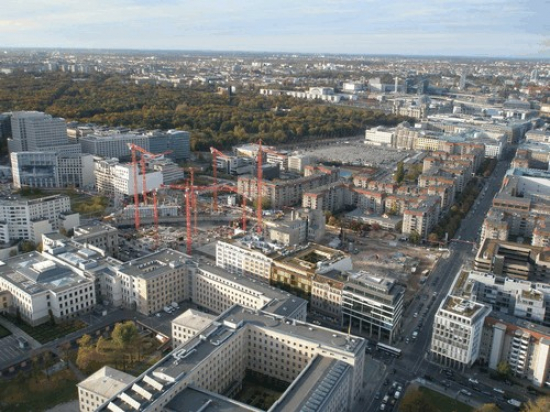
point(442, 390)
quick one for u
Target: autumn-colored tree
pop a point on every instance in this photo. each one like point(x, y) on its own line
point(488, 407)
point(127, 340)
point(541, 404)
point(504, 370)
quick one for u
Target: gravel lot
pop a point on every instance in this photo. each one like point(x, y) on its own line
point(357, 151)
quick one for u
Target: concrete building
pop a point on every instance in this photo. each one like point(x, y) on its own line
point(29, 219)
point(323, 368)
point(333, 197)
point(116, 179)
point(102, 236)
point(171, 172)
point(516, 331)
point(41, 288)
point(299, 226)
point(525, 347)
point(373, 304)
point(246, 256)
point(37, 131)
point(51, 169)
point(100, 386)
point(298, 162)
point(216, 290)
point(287, 192)
point(513, 260)
point(189, 324)
point(154, 281)
point(113, 143)
point(457, 332)
point(296, 269)
point(422, 218)
point(380, 136)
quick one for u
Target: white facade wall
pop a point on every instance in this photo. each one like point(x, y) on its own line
point(28, 219)
point(239, 259)
point(378, 136)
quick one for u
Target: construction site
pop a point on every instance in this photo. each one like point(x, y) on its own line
point(190, 217)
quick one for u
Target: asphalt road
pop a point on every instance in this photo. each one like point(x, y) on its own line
point(414, 362)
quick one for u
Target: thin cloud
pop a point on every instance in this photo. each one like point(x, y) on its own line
point(331, 26)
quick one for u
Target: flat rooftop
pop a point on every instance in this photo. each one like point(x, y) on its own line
point(35, 274)
point(313, 386)
point(182, 360)
point(278, 302)
point(154, 264)
point(461, 306)
point(193, 399)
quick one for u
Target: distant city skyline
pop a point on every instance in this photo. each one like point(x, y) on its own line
point(490, 28)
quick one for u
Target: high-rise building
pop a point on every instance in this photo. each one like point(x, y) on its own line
point(37, 131)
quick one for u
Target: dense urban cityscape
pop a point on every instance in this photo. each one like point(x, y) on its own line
point(208, 231)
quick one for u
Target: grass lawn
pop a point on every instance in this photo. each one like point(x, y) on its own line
point(89, 206)
point(45, 333)
point(4, 332)
point(444, 403)
point(27, 394)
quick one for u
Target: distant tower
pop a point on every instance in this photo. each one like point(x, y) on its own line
point(462, 83)
point(534, 76)
point(37, 131)
point(396, 84)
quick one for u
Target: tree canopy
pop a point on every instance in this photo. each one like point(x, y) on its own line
point(211, 118)
point(541, 404)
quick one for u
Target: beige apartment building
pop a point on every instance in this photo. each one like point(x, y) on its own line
point(322, 366)
point(287, 192)
point(100, 386)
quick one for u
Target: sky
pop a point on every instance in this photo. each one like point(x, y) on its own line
point(492, 28)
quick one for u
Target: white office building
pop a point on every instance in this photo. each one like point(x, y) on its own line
point(37, 131)
point(243, 256)
point(29, 219)
point(112, 143)
point(42, 288)
point(373, 304)
point(116, 179)
point(52, 169)
point(457, 331)
point(380, 136)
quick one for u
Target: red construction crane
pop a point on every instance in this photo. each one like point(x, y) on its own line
point(136, 194)
point(156, 218)
point(135, 148)
point(259, 197)
point(193, 199)
point(186, 188)
point(243, 206)
point(215, 153)
point(190, 193)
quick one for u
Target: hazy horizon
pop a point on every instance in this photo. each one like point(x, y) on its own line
point(467, 28)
